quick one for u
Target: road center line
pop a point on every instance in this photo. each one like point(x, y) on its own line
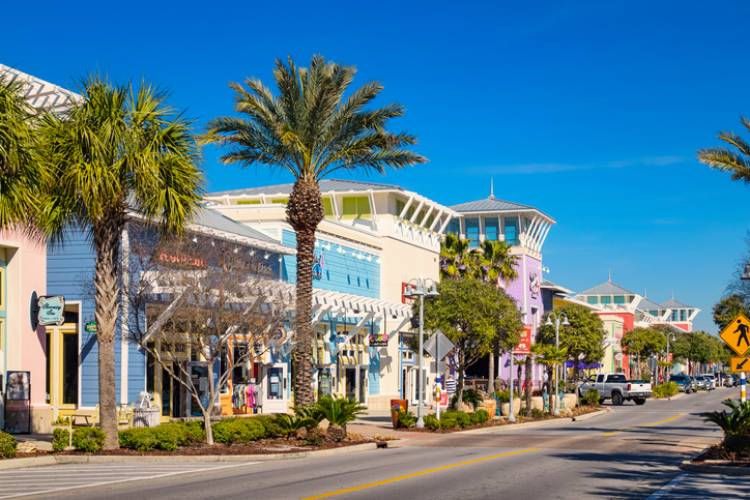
point(419, 473)
point(647, 424)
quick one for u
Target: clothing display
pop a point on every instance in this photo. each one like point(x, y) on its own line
point(244, 395)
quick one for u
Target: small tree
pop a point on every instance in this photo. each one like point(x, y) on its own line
point(642, 343)
point(217, 297)
point(473, 314)
point(728, 308)
point(582, 339)
point(693, 347)
point(550, 357)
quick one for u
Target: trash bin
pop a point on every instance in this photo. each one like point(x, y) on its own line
point(396, 406)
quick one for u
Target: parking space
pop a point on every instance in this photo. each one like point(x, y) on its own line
point(56, 478)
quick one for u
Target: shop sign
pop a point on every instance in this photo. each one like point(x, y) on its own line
point(51, 310)
point(378, 340)
point(90, 327)
point(524, 344)
point(317, 267)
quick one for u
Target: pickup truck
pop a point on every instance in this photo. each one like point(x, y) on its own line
point(616, 387)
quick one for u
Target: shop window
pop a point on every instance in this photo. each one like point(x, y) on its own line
point(356, 207)
point(510, 230)
point(472, 232)
point(490, 228)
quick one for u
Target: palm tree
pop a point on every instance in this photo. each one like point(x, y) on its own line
point(550, 356)
point(120, 150)
point(310, 130)
point(19, 178)
point(497, 263)
point(453, 256)
point(736, 161)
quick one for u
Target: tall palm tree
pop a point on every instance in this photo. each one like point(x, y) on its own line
point(121, 149)
point(19, 178)
point(497, 262)
point(736, 160)
point(454, 254)
point(310, 129)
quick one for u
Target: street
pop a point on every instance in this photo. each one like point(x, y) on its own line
point(631, 452)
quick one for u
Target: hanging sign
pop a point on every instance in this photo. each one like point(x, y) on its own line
point(378, 340)
point(736, 334)
point(51, 310)
point(90, 327)
point(524, 344)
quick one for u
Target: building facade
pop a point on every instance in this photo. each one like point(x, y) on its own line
point(374, 239)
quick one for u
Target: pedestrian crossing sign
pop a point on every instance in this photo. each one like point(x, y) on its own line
point(737, 334)
point(741, 364)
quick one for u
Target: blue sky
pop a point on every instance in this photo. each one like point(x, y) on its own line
point(592, 111)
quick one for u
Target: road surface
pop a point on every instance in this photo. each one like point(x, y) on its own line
point(631, 452)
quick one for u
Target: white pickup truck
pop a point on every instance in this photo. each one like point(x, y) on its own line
point(616, 387)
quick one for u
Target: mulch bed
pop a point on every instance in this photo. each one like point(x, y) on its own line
point(497, 422)
point(726, 457)
point(260, 447)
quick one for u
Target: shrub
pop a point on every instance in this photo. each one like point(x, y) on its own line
point(448, 421)
point(167, 437)
point(590, 398)
point(503, 396)
point(480, 416)
point(139, 438)
point(7, 445)
point(238, 430)
point(463, 419)
point(60, 439)
point(338, 411)
point(88, 439)
point(665, 390)
point(406, 419)
point(470, 396)
point(284, 425)
point(537, 413)
point(734, 423)
point(431, 422)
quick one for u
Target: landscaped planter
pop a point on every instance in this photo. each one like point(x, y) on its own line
point(505, 407)
point(490, 405)
point(570, 401)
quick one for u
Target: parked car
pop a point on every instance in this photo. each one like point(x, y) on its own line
point(684, 382)
point(618, 388)
point(704, 383)
point(726, 380)
point(710, 379)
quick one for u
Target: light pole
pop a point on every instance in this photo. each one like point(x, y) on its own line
point(557, 323)
point(421, 287)
point(671, 337)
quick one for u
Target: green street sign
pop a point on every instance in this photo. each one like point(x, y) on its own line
point(90, 327)
point(51, 310)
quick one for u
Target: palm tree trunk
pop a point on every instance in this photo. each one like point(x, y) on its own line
point(106, 242)
point(491, 374)
point(304, 212)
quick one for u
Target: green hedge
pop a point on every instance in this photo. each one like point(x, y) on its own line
point(60, 439)
point(7, 445)
point(665, 390)
point(590, 398)
point(239, 430)
point(167, 437)
point(88, 439)
point(454, 419)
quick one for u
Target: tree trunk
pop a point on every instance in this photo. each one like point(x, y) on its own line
point(528, 366)
point(207, 427)
point(491, 376)
point(460, 384)
point(107, 243)
point(212, 392)
point(304, 213)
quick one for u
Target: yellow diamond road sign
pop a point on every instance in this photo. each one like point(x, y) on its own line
point(740, 364)
point(737, 334)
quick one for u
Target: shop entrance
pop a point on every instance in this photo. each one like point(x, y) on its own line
point(275, 388)
point(62, 366)
point(410, 383)
point(350, 374)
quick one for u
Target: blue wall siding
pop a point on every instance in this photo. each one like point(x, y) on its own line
point(70, 272)
point(342, 272)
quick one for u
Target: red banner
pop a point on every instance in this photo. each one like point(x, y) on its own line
point(524, 344)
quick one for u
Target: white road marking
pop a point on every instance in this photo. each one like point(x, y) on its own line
point(83, 477)
point(666, 490)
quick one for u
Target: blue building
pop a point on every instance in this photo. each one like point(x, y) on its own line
point(72, 351)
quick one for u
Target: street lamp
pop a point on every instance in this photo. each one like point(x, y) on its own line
point(670, 336)
point(557, 322)
point(421, 287)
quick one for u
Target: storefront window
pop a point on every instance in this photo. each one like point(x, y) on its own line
point(275, 383)
point(472, 232)
point(511, 230)
point(606, 299)
point(490, 228)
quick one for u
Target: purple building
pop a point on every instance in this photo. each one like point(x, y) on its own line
point(525, 228)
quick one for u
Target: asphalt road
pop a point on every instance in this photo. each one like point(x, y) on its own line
point(631, 452)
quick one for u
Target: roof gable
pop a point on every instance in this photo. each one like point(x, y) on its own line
point(607, 288)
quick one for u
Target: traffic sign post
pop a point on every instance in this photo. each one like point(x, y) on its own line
point(737, 336)
point(739, 364)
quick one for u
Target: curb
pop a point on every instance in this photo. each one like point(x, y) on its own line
point(711, 468)
point(531, 425)
point(593, 414)
point(18, 463)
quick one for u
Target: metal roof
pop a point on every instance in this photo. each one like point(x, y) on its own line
point(489, 205)
point(672, 303)
point(555, 287)
point(210, 218)
point(41, 94)
point(326, 186)
point(649, 305)
point(607, 288)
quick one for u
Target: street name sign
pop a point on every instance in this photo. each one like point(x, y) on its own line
point(737, 334)
point(740, 364)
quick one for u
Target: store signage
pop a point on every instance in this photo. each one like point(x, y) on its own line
point(51, 310)
point(737, 334)
point(90, 327)
point(378, 340)
point(317, 267)
point(181, 260)
point(524, 344)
